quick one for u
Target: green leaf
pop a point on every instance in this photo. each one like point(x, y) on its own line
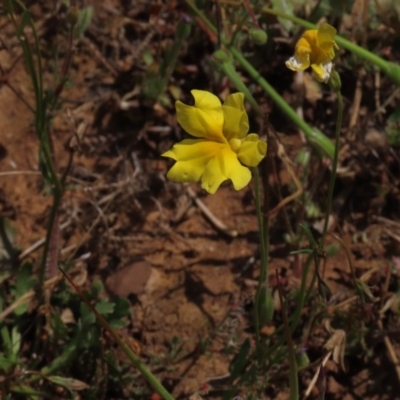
point(6, 339)
point(332, 249)
point(6, 363)
point(25, 20)
point(27, 391)
point(68, 355)
point(24, 283)
point(302, 251)
point(96, 288)
point(86, 315)
point(68, 383)
point(286, 7)
point(393, 128)
point(121, 311)
point(104, 307)
point(240, 361)
point(265, 306)
point(309, 235)
point(15, 341)
point(84, 20)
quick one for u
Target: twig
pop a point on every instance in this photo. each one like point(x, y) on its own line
point(210, 216)
point(299, 188)
point(392, 352)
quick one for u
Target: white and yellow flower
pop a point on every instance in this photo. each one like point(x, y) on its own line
point(315, 49)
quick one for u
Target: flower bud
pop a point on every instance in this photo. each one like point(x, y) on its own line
point(221, 56)
point(302, 359)
point(258, 36)
point(265, 306)
point(334, 81)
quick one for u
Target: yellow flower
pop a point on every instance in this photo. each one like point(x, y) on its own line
point(316, 49)
point(222, 149)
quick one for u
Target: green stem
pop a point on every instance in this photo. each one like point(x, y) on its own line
point(230, 71)
point(314, 136)
point(293, 379)
point(332, 180)
point(302, 294)
point(263, 252)
point(41, 124)
point(390, 69)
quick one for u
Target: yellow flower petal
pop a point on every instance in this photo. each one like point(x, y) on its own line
point(225, 165)
point(187, 171)
point(304, 47)
point(252, 150)
point(325, 37)
point(192, 156)
point(206, 100)
point(315, 48)
point(203, 120)
point(188, 149)
point(322, 72)
point(301, 59)
point(236, 121)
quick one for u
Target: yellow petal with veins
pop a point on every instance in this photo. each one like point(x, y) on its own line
point(225, 165)
point(325, 37)
point(192, 156)
point(236, 121)
point(203, 120)
point(252, 150)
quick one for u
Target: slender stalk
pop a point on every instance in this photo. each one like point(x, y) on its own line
point(263, 252)
point(316, 138)
point(302, 294)
point(293, 379)
point(334, 168)
point(390, 69)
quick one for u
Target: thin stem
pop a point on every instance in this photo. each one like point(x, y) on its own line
point(334, 168)
point(263, 252)
point(249, 9)
point(302, 294)
point(293, 380)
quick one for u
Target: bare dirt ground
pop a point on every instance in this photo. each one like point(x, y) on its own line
point(148, 239)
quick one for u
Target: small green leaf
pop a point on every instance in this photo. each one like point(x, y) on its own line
point(302, 251)
point(84, 20)
point(265, 306)
point(24, 283)
point(121, 311)
point(27, 391)
point(104, 307)
point(309, 235)
point(87, 317)
point(240, 361)
point(96, 289)
point(5, 363)
point(332, 249)
point(286, 7)
point(68, 383)
point(25, 20)
point(6, 338)
point(393, 128)
point(15, 341)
